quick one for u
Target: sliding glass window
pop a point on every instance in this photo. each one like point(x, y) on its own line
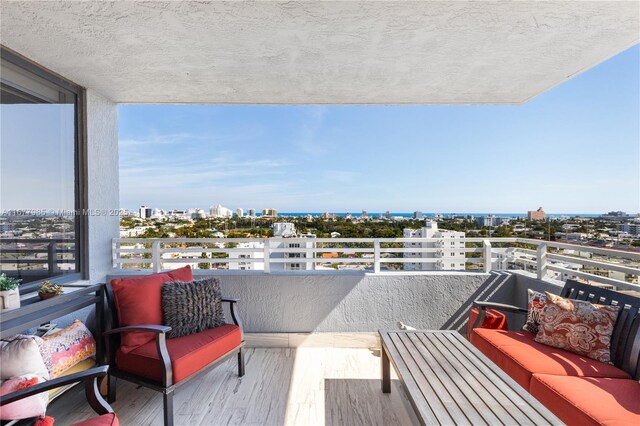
point(40, 228)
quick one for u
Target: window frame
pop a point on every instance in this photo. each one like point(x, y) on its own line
point(80, 166)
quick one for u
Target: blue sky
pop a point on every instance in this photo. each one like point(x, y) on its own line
point(574, 149)
point(48, 182)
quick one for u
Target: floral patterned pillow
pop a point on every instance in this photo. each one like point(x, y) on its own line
point(535, 305)
point(578, 326)
point(69, 346)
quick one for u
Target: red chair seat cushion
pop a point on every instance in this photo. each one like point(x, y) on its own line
point(139, 301)
point(589, 400)
point(188, 354)
point(104, 420)
point(520, 357)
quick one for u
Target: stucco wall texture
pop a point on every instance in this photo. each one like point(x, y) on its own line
point(103, 188)
point(280, 303)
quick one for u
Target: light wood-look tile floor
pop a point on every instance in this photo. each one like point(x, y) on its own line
point(282, 386)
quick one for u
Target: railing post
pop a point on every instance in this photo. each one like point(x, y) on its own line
point(541, 256)
point(114, 247)
point(267, 256)
point(376, 256)
point(155, 255)
point(52, 258)
point(487, 255)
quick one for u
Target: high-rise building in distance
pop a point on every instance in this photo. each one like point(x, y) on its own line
point(446, 250)
point(270, 213)
point(219, 211)
point(145, 212)
point(288, 230)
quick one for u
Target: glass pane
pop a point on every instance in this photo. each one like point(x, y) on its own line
point(37, 186)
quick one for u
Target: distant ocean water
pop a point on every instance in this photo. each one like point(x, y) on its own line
point(432, 215)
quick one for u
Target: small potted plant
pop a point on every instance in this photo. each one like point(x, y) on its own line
point(9, 294)
point(48, 290)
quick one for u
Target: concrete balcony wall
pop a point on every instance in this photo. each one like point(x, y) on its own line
point(357, 302)
point(102, 182)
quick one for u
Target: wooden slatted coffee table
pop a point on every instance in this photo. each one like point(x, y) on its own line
point(449, 382)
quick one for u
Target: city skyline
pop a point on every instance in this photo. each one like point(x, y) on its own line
point(552, 151)
point(356, 213)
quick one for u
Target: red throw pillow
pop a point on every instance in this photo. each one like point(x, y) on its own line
point(139, 301)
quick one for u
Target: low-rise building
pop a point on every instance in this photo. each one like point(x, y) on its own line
point(629, 228)
point(133, 232)
point(246, 259)
point(537, 214)
point(491, 220)
point(571, 237)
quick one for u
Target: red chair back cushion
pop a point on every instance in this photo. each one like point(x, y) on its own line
point(139, 301)
point(493, 319)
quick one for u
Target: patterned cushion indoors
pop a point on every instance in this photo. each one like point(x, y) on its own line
point(192, 307)
point(578, 326)
point(535, 305)
point(69, 346)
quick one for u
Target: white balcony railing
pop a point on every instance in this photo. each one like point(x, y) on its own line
point(546, 258)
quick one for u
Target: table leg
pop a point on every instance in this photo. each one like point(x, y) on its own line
point(386, 371)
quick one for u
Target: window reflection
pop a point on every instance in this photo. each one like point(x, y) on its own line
point(38, 221)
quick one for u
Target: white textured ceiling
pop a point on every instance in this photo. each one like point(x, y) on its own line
point(371, 52)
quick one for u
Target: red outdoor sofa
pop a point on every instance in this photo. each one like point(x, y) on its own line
point(577, 389)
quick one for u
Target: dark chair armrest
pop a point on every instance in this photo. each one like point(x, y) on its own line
point(142, 328)
point(89, 377)
point(161, 345)
point(235, 316)
point(499, 306)
point(483, 306)
point(89, 374)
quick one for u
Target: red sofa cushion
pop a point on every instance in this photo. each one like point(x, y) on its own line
point(104, 420)
point(589, 400)
point(188, 354)
point(139, 301)
point(520, 356)
point(493, 319)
